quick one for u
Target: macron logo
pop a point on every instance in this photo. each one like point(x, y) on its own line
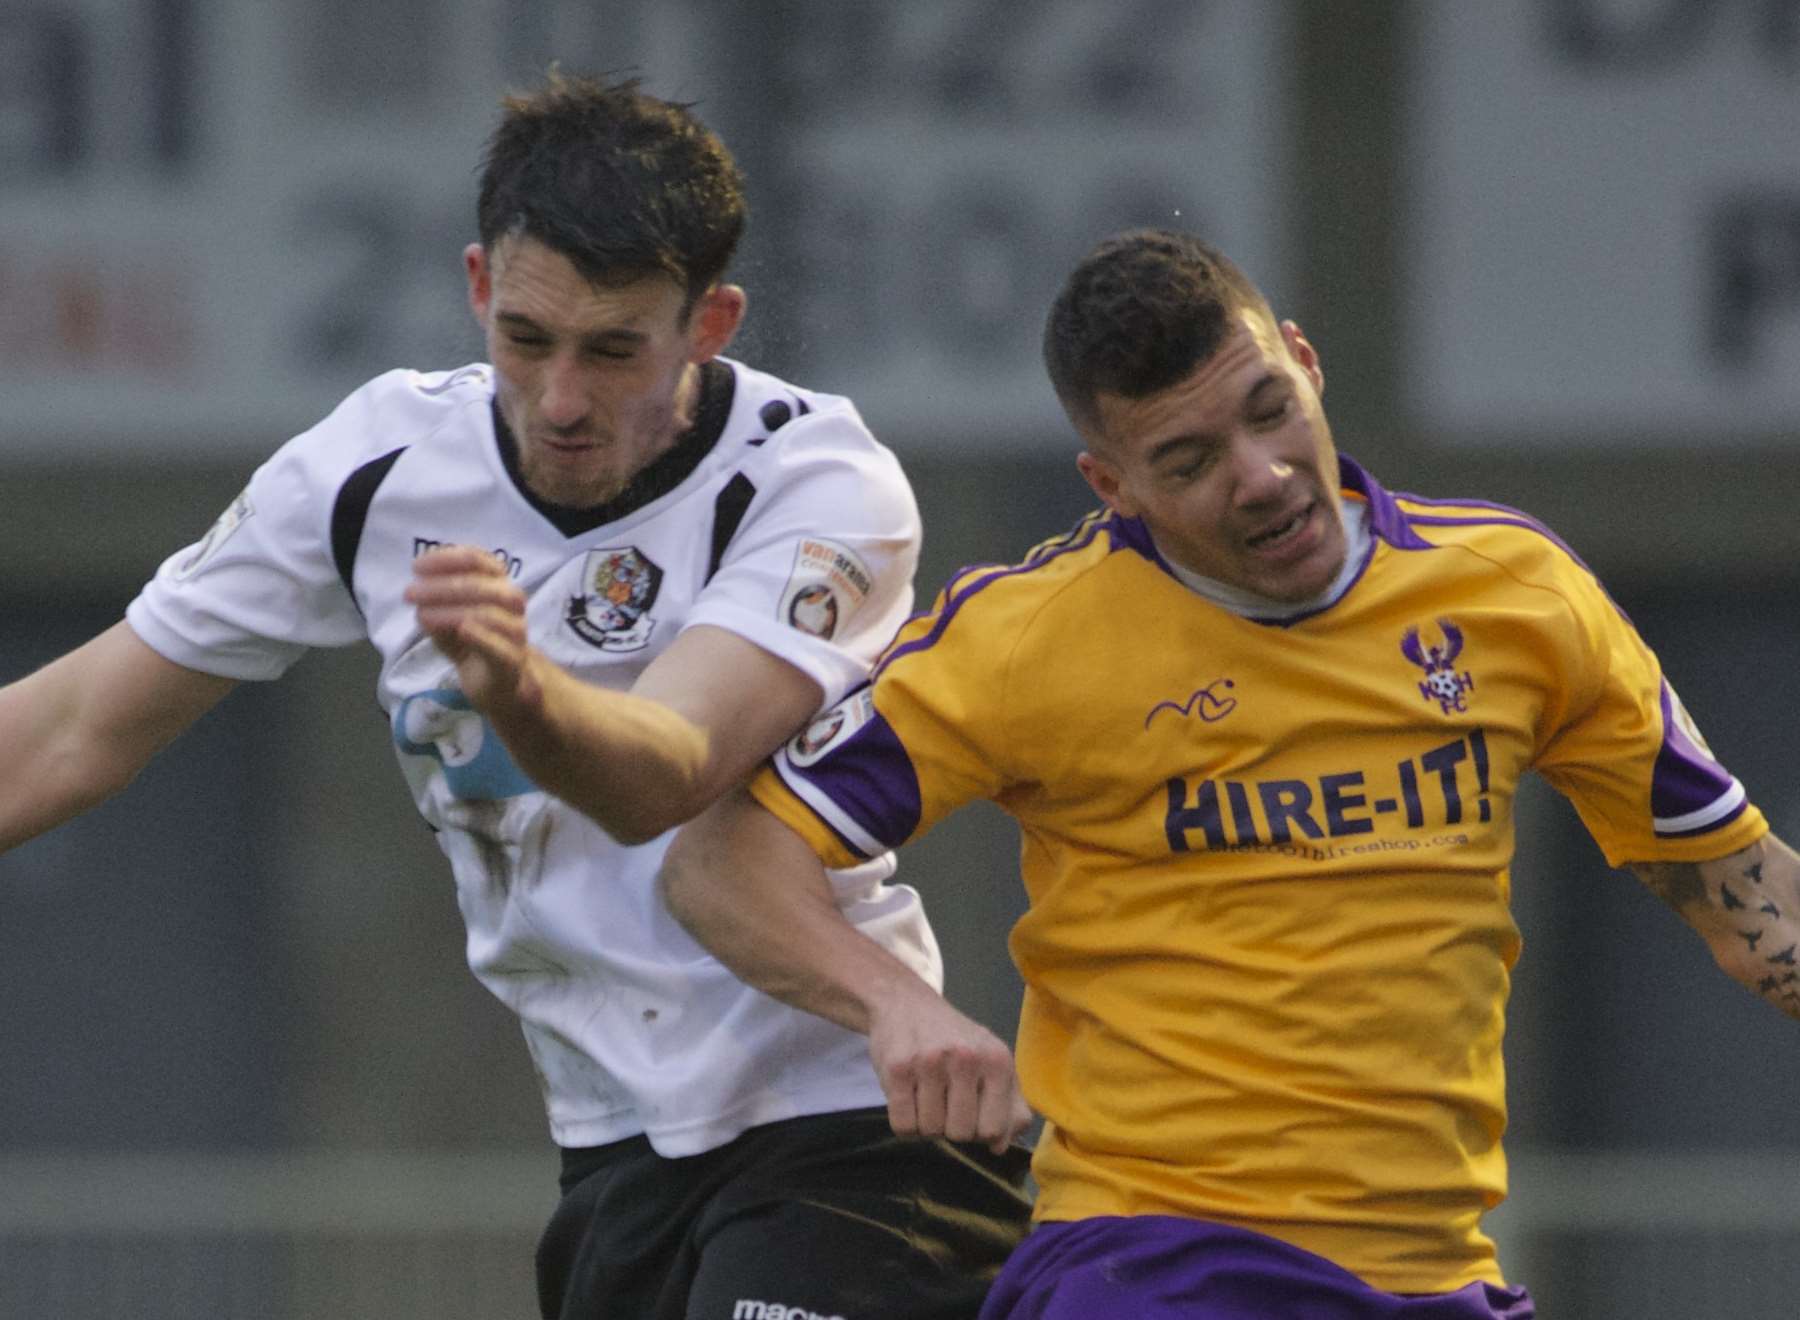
point(750, 1310)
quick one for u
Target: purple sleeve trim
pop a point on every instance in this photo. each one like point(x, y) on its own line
point(864, 788)
point(1708, 828)
point(1690, 792)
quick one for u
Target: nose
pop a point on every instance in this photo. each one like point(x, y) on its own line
point(1259, 474)
point(563, 400)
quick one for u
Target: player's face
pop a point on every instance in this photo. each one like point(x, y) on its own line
point(1233, 469)
point(594, 381)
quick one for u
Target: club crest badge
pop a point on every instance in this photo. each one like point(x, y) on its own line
point(619, 586)
point(1442, 683)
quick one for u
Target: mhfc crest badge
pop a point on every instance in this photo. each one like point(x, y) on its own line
point(1442, 683)
point(618, 588)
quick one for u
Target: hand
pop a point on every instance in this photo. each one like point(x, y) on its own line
point(476, 614)
point(944, 1074)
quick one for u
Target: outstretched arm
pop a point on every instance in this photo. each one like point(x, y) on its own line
point(79, 730)
point(1747, 908)
point(754, 893)
point(698, 720)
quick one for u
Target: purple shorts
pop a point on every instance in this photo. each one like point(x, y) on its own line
point(1161, 1267)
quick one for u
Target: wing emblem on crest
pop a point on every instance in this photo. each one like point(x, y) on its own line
point(1442, 683)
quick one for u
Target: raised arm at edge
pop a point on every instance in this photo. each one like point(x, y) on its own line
point(1746, 906)
point(81, 728)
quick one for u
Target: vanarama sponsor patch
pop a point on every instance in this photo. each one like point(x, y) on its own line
point(827, 584)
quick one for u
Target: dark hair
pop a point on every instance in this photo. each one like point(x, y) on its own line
point(622, 184)
point(1137, 315)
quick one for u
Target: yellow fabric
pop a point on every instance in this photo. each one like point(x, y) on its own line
point(1293, 1024)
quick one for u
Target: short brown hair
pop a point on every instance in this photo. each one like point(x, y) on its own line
point(1137, 315)
point(621, 183)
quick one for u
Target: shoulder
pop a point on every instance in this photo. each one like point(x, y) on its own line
point(800, 440)
point(1499, 534)
point(1071, 579)
point(393, 411)
point(382, 419)
point(1511, 560)
point(405, 406)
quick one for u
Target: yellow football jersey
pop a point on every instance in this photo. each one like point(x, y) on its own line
point(1268, 946)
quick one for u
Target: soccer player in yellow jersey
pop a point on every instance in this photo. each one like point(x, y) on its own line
point(1261, 722)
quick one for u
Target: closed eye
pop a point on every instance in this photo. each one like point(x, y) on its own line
point(1274, 416)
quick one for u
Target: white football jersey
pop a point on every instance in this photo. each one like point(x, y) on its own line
point(779, 517)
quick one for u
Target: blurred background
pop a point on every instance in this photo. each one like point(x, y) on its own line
point(1549, 251)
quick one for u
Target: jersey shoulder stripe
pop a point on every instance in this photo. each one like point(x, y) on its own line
point(1508, 537)
point(1080, 533)
point(1047, 568)
point(1454, 513)
point(1415, 522)
point(350, 513)
point(728, 513)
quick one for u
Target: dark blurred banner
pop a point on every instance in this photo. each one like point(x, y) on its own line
point(1604, 220)
point(217, 218)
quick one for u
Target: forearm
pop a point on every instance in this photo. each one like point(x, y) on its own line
point(698, 718)
point(44, 777)
point(750, 890)
point(634, 765)
point(1747, 909)
point(79, 729)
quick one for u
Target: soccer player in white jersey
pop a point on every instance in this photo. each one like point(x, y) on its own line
point(1261, 722)
point(644, 565)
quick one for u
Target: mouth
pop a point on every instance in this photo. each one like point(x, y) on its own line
point(1274, 538)
point(567, 446)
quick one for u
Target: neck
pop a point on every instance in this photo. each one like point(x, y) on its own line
point(687, 403)
point(1252, 606)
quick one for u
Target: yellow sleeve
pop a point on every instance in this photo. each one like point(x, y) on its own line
point(1626, 753)
point(925, 737)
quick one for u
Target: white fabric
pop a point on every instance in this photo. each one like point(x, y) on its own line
point(632, 1026)
point(1247, 604)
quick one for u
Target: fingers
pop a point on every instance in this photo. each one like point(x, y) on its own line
point(1003, 1113)
point(964, 1091)
point(497, 637)
point(1018, 1120)
point(446, 560)
point(903, 1102)
point(463, 595)
point(461, 575)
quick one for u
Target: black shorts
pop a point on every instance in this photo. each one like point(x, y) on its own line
point(811, 1218)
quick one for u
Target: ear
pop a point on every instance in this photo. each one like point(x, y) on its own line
point(1302, 351)
point(715, 321)
point(1107, 483)
point(481, 281)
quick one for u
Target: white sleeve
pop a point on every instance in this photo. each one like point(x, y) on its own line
point(820, 573)
point(249, 598)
